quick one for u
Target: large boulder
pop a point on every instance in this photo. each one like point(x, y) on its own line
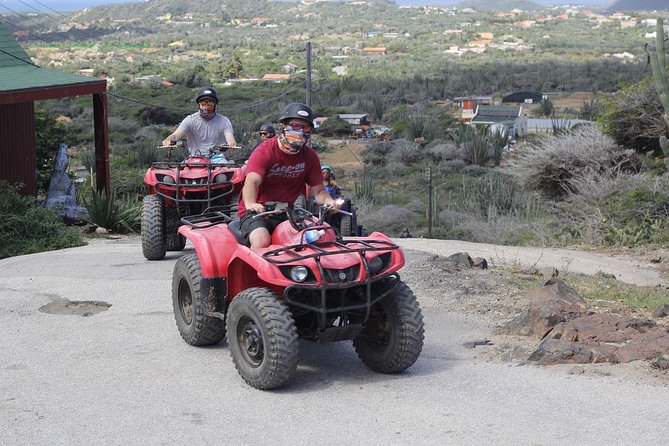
point(549, 305)
point(62, 195)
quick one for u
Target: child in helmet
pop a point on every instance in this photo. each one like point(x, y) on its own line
point(330, 182)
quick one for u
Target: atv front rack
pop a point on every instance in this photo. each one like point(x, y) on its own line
point(181, 188)
point(318, 249)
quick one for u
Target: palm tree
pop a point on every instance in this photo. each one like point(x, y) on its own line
point(234, 67)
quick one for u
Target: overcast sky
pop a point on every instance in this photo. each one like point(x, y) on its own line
point(7, 6)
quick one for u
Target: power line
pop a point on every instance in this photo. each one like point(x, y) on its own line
point(38, 24)
point(226, 110)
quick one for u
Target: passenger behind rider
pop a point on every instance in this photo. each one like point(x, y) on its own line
point(330, 183)
point(205, 128)
point(266, 132)
point(278, 170)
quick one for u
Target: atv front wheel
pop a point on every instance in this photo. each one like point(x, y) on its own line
point(153, 228)
point(262, 338)
point(345, 225)
point(190, 306)
point(393, 336)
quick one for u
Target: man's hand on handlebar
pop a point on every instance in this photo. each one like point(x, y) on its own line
point(256, 207)
point(169, 144)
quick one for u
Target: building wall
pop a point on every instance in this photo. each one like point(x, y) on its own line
point(17, 146)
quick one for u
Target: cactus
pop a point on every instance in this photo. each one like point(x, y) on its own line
point(659, 67)
point(365, 190)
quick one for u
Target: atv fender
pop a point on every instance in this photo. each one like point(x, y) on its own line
point(215, 246)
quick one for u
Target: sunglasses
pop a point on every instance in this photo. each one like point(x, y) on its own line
point(299, 126)
point(265, 133)
point(208, 103)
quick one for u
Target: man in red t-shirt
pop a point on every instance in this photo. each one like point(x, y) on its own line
point(277, 170)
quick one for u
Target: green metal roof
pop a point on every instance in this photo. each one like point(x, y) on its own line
point(17, 71)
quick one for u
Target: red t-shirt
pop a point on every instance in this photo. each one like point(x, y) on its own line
point(284, 176)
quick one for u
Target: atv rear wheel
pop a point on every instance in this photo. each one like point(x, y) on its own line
point(393, 336)
point(173, 240)
point(262, 338)
point(190, 306)
point(153, 228)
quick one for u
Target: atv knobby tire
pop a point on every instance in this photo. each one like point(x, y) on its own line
point(345, 225)
point(153, 228)
point(392, 338)
point(190, 305)
point(262, 338)
point(173, 240)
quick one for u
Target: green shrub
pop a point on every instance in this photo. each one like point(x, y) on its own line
point(118, 215)
point(26, 228)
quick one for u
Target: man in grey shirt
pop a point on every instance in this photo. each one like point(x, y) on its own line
point(205, 128)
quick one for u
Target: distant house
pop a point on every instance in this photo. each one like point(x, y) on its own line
point(319, 120)
point(510, 118)
point(356, 119)
point(149, 79)
point(524, 97)
point(289, 68)
point(376, 50)
point(276, 77)
point(468, 105)
point(88, 72)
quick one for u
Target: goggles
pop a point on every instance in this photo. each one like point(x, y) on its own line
point(298, 126)
point(207, 103)
point(265, 133)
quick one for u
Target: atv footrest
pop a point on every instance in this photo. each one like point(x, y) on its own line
point(344, 333)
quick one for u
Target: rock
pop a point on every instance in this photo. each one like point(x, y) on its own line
point(660, 363)
point(461, 258)
point(62, 195)
point(549, 305)
point(101, 230)
point(559, 351)
point(601, 328)
point(549, 271)
point(605, 275)
point(480, 262)
point(661, 311)
point(644, 346)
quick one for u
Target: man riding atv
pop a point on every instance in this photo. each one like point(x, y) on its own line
point(205, 128)
point(277, 171)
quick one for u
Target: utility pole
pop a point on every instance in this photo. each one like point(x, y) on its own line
point(428, 173)
point(308, 74)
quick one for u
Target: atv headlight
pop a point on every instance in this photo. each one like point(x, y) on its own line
point(375, 265)
point(221, 178)
point(166, 179)
point(299, 273)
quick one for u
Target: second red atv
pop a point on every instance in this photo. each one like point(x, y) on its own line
point(179, 189)
point(310, 283)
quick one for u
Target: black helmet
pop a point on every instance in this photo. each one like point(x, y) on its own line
point(206, 92)
point(267, 128)
point(298, 110)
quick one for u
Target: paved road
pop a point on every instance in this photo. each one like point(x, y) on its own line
point(125, 377)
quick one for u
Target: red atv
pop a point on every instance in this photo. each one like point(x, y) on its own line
point(179, 189)
point(310, 283)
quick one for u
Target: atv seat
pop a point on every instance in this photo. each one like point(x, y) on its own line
point(234, 227)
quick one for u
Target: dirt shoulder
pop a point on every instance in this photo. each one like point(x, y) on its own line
point(496, 295)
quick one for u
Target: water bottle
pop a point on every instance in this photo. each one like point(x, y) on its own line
point(313, 235)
